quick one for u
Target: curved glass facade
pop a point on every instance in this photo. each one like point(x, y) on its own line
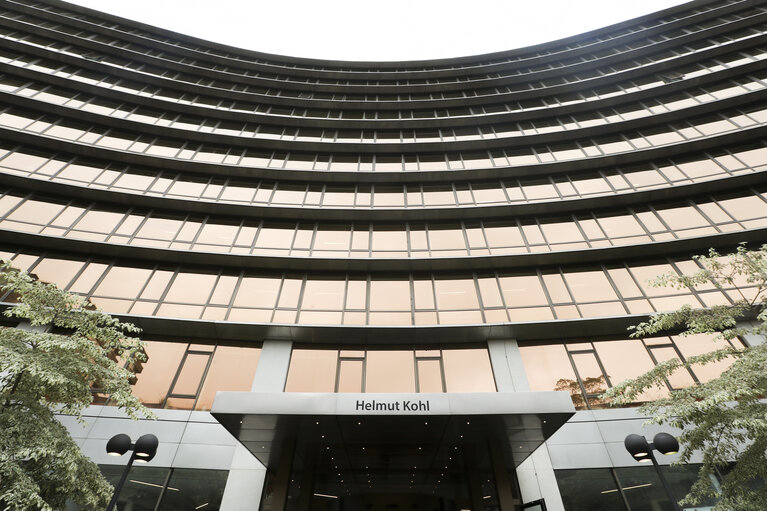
point(481, 225)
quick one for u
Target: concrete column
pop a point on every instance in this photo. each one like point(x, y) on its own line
point(272, 370)
point(507, 365)
point(535, 475)
point(246, 476)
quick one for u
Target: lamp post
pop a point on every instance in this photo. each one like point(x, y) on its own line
point(641, 450)
point(143, 451)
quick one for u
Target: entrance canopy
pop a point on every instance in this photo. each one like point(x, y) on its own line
point(346, 444)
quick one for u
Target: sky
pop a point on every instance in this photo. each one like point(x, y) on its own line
point(379, 30)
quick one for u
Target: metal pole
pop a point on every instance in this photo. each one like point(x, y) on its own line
point(119, 486)
point(663, 480)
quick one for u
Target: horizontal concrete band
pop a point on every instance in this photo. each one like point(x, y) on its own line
point(412, 123)
point(539, 209)
point(589, 84)
point(384, 89)
point(133, 254)
point(291, 61)
point(677, 150)
point(395, 64)
point(755, 98)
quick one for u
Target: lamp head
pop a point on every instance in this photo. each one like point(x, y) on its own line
point(665, 443)
point(118, 445)
point(637, 446)
point(146, 448)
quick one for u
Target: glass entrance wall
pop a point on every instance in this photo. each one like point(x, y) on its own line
point(625, 488)
point(334, 463)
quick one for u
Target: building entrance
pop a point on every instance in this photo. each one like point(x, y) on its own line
point(416, 452)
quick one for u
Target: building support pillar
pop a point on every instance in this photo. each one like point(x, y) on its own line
point(535, 475)
point(245, 483)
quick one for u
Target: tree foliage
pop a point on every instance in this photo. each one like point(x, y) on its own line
point(48, 367)
point(724, 419)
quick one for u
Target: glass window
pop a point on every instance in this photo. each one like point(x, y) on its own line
point(548, 367)
point(123, 282)
point(522, 290)
point(192, 288)
point(468, 370)
point(393, 295)
point(232, 368)
point(190, 376)
point(590, 286)
point(390, 371)
point(589, 489)
point(159, 369)
point(457, 294)
point(350, 376)
point(312, 370)
point(626, 359)
point(141, 490)
point(194, 489)
point(429, 375)
point(257, 292)
point(323, 295)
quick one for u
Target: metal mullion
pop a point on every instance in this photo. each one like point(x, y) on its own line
point(546, 292)
point(465, 237)
point(169, 392)
point(618, 486)
point(68, 230)
point(415, 370)
point(655, 362)
point(711, 223)
point(601, 366)
point(579, 380)
point(633, 213)
point(569, 291)
point(204, 371)
point(684, 360)
point(692, 290)
point(622, 299)
point(24, 199)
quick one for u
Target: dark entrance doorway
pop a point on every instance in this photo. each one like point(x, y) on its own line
point(454, 459)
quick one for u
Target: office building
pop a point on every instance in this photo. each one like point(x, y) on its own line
point(408, 282)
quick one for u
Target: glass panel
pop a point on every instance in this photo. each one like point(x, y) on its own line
point(679, 378)
point(390, 371)
point(194, 489)
point(590, 286)
point(350, 376)
point(142, 488)
point(643, 489)
point(627, 359)
point(191, 374)
point(522, 290)
point(232, 368)
point(312, 371)
point(456, 294)
point(691, 345)
point(153, 382)
point(122, 282)
point(191, 288)
point(468, 370)
point(429, 376)
point(393, 295)
point(590, 489)
point(548, 368)
point(591, 375)
point(323, 295)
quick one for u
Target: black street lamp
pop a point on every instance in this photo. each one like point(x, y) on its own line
point(143, 451)
point(664, 443)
